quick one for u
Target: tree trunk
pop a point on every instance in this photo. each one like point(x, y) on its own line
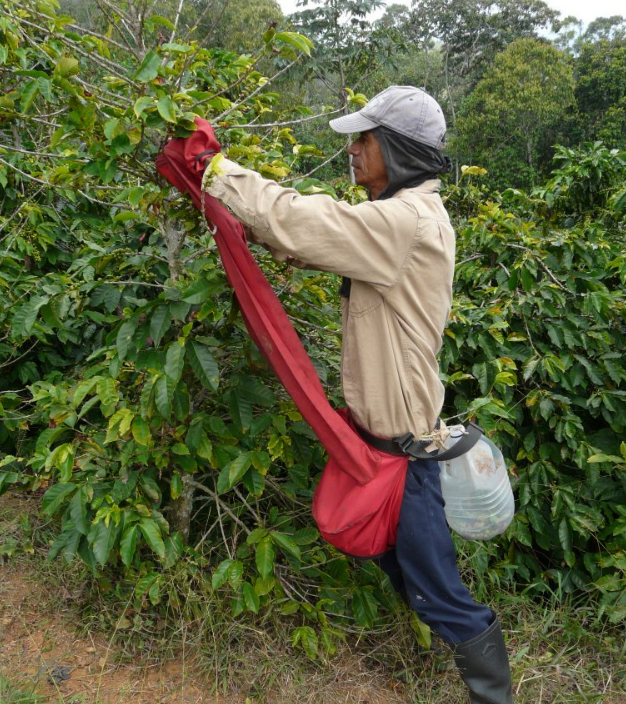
point(174, 240)
point(181, 508)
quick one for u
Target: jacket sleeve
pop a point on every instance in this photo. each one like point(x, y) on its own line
point(368, 242)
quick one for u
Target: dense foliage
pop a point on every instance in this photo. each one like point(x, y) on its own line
point(133, 401)
point(533, 350)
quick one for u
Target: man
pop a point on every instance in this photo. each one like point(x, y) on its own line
point(396, 254)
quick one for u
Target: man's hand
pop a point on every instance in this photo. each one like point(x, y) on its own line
point(213, 147)
point(277, 255)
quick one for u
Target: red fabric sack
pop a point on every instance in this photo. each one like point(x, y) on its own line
point(360, 520)
point(352, 463)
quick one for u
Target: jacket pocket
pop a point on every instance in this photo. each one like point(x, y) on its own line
point(364, 298)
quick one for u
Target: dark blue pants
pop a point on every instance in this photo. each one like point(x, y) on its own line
point(422, 567)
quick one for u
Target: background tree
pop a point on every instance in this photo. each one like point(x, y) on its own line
point(601, 91)
point(472, 32)
point(604, 29)
point(511, 120)
point(236, 25)
point(348, 50)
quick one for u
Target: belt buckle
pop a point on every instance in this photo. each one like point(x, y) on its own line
point(404, 442)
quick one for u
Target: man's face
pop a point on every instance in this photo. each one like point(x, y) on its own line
point(368, 164)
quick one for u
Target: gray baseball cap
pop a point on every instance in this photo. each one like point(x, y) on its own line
point(404, 109)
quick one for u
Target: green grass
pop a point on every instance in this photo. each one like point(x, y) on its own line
point(21, 693)
point(12, 694)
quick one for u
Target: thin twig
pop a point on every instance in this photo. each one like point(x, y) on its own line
point(178, 11)
point(17, 359)
point(45, 155)
point(133, 283)
point(124, 21)
point(470, 259)
point(219, 502)
point(255, 92)
point(314, 325)
point(242, 498)
point(54, 185)
point(15, 213)
point(541, 264)
point(288, 122)
point(317, 168)
point(100, 60)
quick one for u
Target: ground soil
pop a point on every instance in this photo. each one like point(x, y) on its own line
point(41, 650)
point(39, 647)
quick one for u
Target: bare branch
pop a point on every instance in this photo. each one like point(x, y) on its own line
point(470, 259)
point(541, 264)
point(255, 92)
point(219, 503)
point(133, 283)
point(53, 185)
point(109, 11)
point(17, 359)
point(178, 11)
point(317, 168)
point(99, 60)
point(288, 122)
point(82, 30)
point(241, 78)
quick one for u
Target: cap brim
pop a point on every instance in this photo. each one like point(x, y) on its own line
point(356, 122)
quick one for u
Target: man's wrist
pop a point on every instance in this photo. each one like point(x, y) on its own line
point(212, 169)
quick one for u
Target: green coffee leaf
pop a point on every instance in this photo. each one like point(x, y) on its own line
point(204, 366)
point(101, 538)
point(141, 431)
point(306, 536)
point(167, 109)
point(265, 557)
point(173, 549)
point(78, 511)
point(286, 543)
point(220, 575)
point(176, 485)
point(306, 638)
point(160, 323)
point(143, 103)
point(149, 68)
point(125, 336)
point(422, 631)
point(298, 41)
point(238, 467)
point(163, 395)
point(55, 497)
point(152, 534)
point(29, 93)
point(364, 607)
point(251, 598)
point(175, 361)
point(128, 544)
point(66, 66)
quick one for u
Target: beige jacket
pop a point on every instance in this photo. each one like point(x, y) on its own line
point(399, 254)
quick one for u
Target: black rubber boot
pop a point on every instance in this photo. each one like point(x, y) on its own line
point(484, 666)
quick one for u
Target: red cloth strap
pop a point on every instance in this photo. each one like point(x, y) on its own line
point(263, 313)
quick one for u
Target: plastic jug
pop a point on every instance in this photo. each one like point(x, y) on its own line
point(476, 489)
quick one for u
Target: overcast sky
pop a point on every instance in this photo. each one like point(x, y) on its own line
point(583, 9)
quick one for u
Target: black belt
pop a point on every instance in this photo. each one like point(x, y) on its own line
point(406, 445)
